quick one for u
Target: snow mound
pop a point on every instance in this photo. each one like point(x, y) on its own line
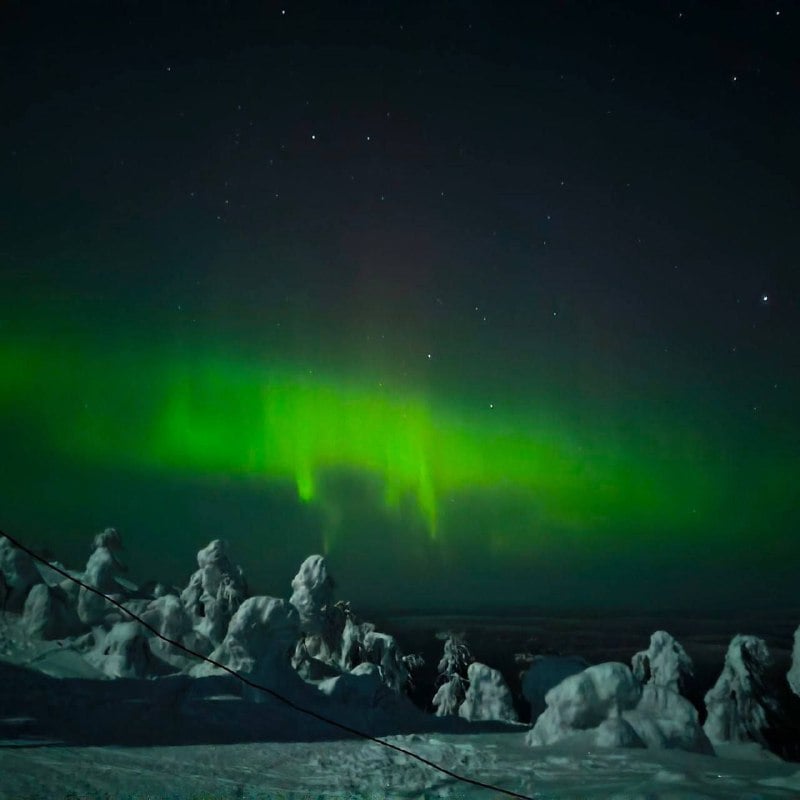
point(214, 592)
point(584, 701)
point(738, 703)
point(124, 652)
point(168, 616)
point(488, 696)
point(49, 613)
point(17, 575)
point(258, 645)
point(664, 663)
point(793, 676)
point(664, 719)
point(543, 674)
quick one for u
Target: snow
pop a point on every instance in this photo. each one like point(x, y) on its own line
point(664, 663)
point(584, 701)
point(49, 614)
point(793, 676)
point(214, 592)
point(488, 696)
point(101, 571)
point(17, 576)
point(663, 718)
point(122, 714)
point(258, 645)
point(738, 703)
point(543, 674)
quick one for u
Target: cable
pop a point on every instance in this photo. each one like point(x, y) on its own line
point(254, 685)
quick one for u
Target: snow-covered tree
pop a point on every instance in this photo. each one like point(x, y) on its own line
point(452, 681)
point(664, 663)
point(739, 704)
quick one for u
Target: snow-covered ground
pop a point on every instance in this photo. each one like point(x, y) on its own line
point(357, 769)
point(93, 705)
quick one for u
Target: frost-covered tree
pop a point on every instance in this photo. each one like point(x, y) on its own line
point(793, 676)
point(17, 575)
point(102, 568)
point(664, 663)
point(739, 705)
point(452, 681)
point(215, 591)
point(332, 639)
point(488, 696)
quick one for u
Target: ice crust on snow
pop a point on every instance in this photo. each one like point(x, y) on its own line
point(738, 703)
point(664, 663)
point(488, 696)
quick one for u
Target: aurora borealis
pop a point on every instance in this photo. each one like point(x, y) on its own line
point(428, 325)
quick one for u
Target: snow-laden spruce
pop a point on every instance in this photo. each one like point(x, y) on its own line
point(488, 696)
point(664, 664)
point(102, 569)
point(18, 576)
point(216, 589)
point(332, 641)
point(452, 668)
point(739, 704)
point(793, 676)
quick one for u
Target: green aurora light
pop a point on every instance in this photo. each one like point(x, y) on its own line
point(206, 415)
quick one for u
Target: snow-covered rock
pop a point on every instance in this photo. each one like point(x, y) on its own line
point(49, 613)
point(664, 663)
point(101, 571)
point(258, 645)
point(664, 719)
point(738, 704)
point(488, 696)
point(584, 701)
point(18, 575)
point(543, 674)
point(793, 676)
point(215, 591)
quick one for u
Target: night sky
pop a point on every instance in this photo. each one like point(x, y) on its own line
point(495, 304)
